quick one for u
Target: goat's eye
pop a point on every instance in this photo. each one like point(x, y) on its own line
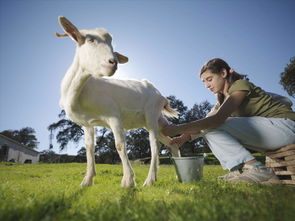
point(91, 40)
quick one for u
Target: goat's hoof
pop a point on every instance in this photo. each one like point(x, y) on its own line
point(149, 182)
point(87, 181)
point(128, 182)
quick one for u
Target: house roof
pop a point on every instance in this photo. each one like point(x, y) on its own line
point(16, 142)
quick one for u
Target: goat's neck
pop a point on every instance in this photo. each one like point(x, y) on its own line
point(72, 84)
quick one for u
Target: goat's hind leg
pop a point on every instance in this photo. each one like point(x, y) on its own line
point(155, 147)
point(152, 126)
point(173, 148)
point(89, 142)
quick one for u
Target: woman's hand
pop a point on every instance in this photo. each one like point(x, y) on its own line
point(180, 140)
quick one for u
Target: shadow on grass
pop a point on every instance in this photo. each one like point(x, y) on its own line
point(128, 195)
point(208, 199)
point(202, 200)
point(46, 209)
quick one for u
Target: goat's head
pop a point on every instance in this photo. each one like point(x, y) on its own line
point(94, 49)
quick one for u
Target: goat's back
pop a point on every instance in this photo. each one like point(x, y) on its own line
point(131, 94)
point(129, 100)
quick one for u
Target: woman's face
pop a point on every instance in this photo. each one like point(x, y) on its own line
point(214, 82)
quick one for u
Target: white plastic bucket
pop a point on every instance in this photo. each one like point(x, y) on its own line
point(188, 168)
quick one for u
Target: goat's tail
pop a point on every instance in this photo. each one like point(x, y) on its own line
point(169, 111)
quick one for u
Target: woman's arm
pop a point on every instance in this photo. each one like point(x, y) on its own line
point(230, 104)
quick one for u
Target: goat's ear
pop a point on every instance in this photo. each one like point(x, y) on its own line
point(71, 30)
point(121, 58)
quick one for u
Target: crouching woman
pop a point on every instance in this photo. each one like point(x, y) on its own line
point(245, 117)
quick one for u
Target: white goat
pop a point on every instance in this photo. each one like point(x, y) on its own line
point(90, 100)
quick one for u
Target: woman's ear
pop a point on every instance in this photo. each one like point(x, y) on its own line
point(224, 73)
point(121, 58)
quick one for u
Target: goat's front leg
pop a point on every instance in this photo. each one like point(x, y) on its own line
point(119, 135)
point(89, 142)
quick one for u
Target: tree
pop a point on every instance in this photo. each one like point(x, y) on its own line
point(25, 136)
point(288, 78)
point(180, 107)
point(105, 147)
point(138, 144)
point(67, 131)
point(48, 156)
point(198, 112)
point(82, 152)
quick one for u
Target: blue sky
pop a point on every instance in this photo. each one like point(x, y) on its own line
point(167, 42)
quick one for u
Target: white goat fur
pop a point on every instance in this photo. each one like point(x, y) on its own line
point(90, 100)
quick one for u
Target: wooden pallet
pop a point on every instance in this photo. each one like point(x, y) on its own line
point(282, 161)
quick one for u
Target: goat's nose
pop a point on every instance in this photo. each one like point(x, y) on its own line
point(112, 61)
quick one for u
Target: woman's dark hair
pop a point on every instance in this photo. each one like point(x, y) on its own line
point(216, 65)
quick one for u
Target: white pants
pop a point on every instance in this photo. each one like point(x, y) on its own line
point(229, 141)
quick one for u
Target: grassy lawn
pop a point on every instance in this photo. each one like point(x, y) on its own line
point(52, 192)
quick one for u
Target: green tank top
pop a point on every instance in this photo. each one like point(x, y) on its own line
point(258, 103)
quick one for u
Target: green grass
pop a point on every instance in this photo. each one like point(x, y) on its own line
point(52, 192)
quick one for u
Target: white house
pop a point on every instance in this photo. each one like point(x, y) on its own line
point(13, 151)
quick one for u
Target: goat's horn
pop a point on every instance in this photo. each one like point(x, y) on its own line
point(61, 35)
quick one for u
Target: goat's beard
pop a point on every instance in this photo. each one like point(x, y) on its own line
point(99, 75)
point(107, 71)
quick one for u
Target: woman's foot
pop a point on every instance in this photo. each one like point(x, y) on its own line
point(256, 174)
point(230, 175)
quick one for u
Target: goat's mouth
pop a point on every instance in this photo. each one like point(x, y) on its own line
point(110, 66)
point(109, 70)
